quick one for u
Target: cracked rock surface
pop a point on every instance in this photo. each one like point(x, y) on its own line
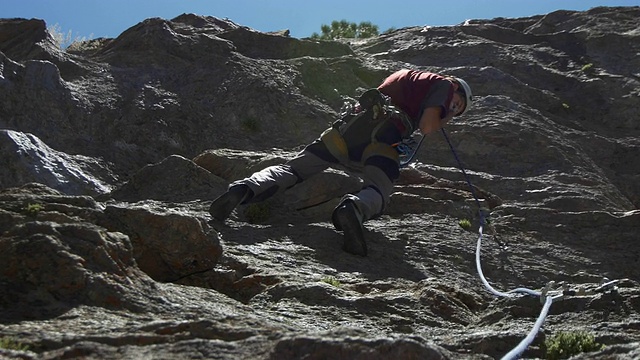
point(113, 149)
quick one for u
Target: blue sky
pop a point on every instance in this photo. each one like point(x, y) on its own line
point(109, 18)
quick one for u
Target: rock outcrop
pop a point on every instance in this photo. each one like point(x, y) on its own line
point(112, 150)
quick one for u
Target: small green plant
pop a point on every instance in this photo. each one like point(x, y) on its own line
point(331, 281)
point(566, 344)
point(9, 343)
point(458, 259)
point(257, 213)
point(33, 209)
point(465, 224)
point(587, 68)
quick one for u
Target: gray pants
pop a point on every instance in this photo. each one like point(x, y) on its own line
point(370, 200)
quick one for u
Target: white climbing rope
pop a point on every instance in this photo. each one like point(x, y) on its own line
point(522, 346)
point(512, 293)
point(544, 295)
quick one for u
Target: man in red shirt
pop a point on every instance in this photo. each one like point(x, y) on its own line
point(407, 101)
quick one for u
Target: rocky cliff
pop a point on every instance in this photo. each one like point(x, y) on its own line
point(112, 150)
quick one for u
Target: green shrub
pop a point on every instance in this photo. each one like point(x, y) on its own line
point(566, 344)
point(344, 29)
point(465, 224)
point(331, 281)
point(33, 209)
point(9, 343)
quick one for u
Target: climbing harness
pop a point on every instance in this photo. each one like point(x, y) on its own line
point(356, 135)
point(547, 295)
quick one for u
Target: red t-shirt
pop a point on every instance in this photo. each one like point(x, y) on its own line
point(413, 91)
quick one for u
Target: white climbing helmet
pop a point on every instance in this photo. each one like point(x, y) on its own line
point(466, 89)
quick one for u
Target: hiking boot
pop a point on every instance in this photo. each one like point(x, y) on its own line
point(346, 219)
point(224, 204)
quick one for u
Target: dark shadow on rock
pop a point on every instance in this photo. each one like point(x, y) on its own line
point(385, 259)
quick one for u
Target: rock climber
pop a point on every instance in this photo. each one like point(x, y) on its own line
point(364, 137)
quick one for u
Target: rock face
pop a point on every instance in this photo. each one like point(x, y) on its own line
point(112, 150)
